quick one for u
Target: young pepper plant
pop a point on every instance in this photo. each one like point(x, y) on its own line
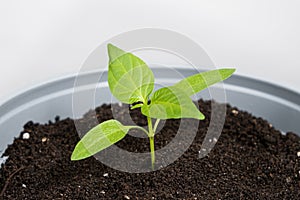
point(131, 81)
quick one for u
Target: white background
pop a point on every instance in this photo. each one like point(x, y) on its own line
point(44, 40)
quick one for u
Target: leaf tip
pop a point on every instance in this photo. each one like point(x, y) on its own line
point(229, 71)
point(114, 52)
point(202, 117)
point(110, 46)
point(77, 153)
point(74, 157)
point(232, 70)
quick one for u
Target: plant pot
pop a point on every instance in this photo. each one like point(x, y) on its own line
point(42, 103)
point(45, 102)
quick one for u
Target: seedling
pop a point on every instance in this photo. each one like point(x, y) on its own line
point(131, 81)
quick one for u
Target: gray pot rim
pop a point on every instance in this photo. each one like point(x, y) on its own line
point(271, 88)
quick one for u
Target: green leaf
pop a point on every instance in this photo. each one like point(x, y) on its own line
point(136, 106)
point(195, 83)
point(99, 138)
point(171, 103)
point(130, 79)
point(114, 52)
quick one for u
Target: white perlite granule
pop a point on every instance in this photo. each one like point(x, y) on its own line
point(26, 136)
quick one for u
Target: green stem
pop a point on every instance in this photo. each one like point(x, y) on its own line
point(141, 128)
point(151, 138)
point(151, 133)
point(152, 149)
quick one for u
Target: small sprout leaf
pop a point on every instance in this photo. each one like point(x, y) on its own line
point(136, 106)
point(99, 138)
point(130, 79)
point(195, 83)
point(171, 103)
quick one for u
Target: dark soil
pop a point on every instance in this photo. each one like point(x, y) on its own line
point(251, 160)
